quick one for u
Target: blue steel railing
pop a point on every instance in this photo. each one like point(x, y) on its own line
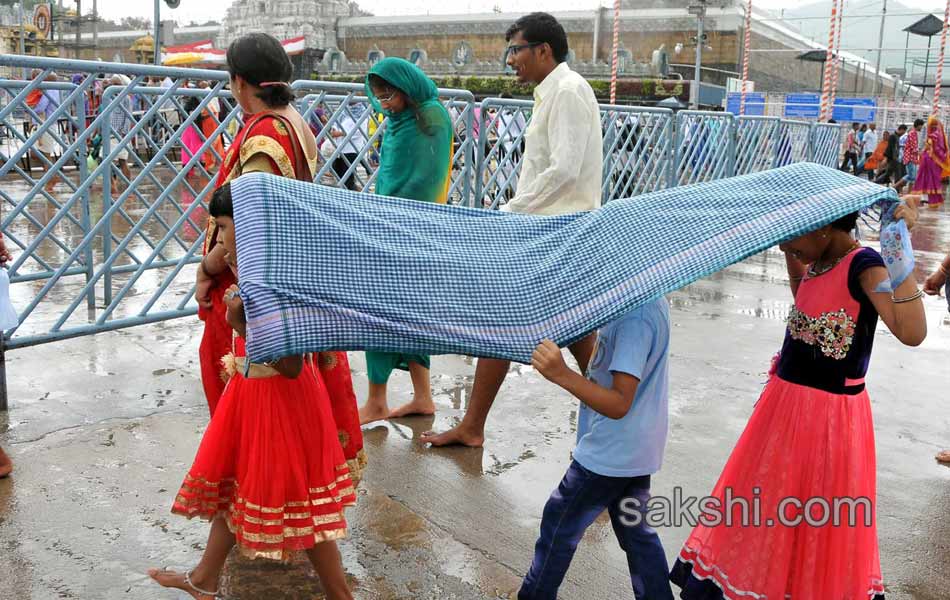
point(84, 235)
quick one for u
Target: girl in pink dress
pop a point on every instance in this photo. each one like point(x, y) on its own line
point(810, 437)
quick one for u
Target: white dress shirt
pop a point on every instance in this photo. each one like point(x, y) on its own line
point(563, 161)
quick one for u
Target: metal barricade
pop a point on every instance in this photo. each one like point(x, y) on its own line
point(825, 144)
point(705, 147)
point(33, 140)
point(102, 204)
point(793, 137)
point(132, 251)
point(500, 135)
point(757, 142)
point(638, 150)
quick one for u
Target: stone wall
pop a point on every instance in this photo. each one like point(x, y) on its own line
point(783, 71)
point(489, 47)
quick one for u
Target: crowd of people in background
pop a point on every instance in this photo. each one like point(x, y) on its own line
point(913, 158)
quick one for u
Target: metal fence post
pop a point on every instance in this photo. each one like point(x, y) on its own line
point(106, 130)
point(468, 193)
point(671, 136)
point(731, 155)
point(812, 128)
point(479, 152)
point(610, 156)
point(677, 144)
point(89, 257)
point(4, 405)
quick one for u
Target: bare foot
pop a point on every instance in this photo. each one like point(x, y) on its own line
point(173, 579)
point(424, 407)
point(944, 457)
point(369, 413)
point(457, 436)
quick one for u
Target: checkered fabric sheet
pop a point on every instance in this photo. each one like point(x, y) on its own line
point(323, 268)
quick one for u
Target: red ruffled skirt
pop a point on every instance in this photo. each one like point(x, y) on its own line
point(333, 369)
point(800, 443)
point(271, 464)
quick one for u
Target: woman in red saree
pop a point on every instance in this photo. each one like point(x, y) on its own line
point(274, 140)
point(934, 163)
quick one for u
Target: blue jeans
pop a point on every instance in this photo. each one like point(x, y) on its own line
point(911, 175)
point(579, 499)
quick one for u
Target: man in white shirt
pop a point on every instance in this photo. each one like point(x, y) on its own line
point(561, 173)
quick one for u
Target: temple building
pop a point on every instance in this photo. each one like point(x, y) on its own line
point(657, 39)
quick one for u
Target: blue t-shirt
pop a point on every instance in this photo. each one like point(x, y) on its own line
point(636, 344)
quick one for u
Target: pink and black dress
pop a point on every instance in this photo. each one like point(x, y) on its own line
point(810, 436)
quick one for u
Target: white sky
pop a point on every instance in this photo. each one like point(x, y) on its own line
point(206, 10)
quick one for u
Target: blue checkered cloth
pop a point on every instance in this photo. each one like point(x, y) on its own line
point(323, 268)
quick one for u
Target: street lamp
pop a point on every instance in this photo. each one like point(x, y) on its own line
point(698, 9)
point(158, 26)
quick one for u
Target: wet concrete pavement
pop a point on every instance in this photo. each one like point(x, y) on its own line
point(102, 430)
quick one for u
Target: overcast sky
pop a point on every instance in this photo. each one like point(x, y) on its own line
point(205, 10)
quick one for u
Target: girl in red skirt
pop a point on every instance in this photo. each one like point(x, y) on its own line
point(270, 473)
point(810, 437)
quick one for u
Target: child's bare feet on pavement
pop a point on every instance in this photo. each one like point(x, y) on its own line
point(370, 412)
point(944, 457)
point(181, 581)
point(417, 407)
point(457, 436)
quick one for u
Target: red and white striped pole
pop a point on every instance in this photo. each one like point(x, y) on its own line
point(746, 48)
point(614, 57)
point(833, 91)
point(826, 79)
point(943, 48)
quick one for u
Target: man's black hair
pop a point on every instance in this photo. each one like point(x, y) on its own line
point(541, 28)
point(901, 126)
point(918, 122)
point(220, 205)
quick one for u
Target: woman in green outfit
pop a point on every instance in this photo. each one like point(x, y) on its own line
point(415, 163)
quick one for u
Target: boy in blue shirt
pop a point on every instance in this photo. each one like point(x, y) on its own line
point(621, 434)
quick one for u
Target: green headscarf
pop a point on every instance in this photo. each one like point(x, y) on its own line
point(416, 155)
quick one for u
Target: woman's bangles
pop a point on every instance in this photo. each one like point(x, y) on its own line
point(918, 294)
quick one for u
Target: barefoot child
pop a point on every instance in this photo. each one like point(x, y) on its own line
point(810, 439)
point(269, 474)
point(621, 433)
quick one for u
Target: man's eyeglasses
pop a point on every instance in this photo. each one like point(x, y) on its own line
point(516, 49)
